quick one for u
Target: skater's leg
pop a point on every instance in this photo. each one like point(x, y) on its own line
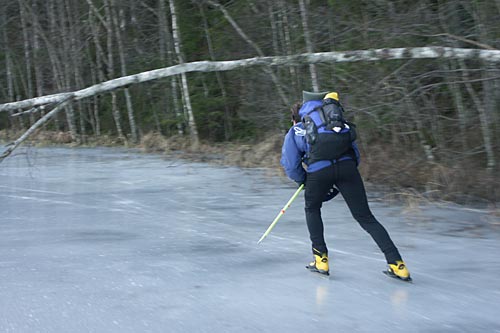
point(317, 185)
point(350, 185)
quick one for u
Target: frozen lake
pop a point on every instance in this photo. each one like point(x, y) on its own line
point(107, 240)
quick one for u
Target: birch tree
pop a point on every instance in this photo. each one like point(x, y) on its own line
point(56, 60)
point(121, 53)
point(67, 66)
point(106, 21)
point(193, 131)
point(309, 44)
point(166, 57)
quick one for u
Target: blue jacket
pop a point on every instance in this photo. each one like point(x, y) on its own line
point(294, 152)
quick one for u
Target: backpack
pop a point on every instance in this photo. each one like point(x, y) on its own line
point(328, 134)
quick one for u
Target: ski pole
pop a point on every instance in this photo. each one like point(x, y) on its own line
point(280, 214)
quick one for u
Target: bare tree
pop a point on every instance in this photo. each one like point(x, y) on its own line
point(100, 59)
point(193, 131)
point(166, 56)
point(257, 49)
point(285, 27)
point(27, 52)
point(482, 106)
point(106, 56)
point(58, 62)
point(121, 53)
point(309, 44)
point(17, 122)
point(227, 119)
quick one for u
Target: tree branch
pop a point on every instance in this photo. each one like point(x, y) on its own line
point(32, 110)
point(305, 58)
point(35, 126)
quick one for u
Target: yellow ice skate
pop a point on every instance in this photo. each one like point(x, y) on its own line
point(398, 271)
point(320, 263)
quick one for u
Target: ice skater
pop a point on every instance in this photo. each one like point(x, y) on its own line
point(320, 151)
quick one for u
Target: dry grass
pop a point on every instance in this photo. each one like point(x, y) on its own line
point(262, 154)
point(265, 153)
point(39, 138)
point(410, 175)
point(154, 142)
point(47, 138)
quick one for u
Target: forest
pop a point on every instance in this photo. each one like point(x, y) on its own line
point(426, 126)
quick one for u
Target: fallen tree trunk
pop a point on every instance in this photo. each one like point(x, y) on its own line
point(63, 99)
point(34, 127)
point(300, 59)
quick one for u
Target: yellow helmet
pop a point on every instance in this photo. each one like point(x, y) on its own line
point(332, 95)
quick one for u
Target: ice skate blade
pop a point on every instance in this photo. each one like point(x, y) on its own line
point(394, 276)
point(315, 270)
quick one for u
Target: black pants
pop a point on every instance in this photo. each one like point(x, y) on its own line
point(345, 176)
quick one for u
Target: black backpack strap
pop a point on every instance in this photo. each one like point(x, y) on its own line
point(322, 115)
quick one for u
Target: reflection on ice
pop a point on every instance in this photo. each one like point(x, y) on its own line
point(399, 297)
point(321, 296)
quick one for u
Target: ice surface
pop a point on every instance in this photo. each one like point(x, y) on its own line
point(106, 240)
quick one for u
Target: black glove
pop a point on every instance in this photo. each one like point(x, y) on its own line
point(332, 193)
point(302, 182)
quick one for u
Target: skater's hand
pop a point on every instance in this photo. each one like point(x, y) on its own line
point(303, 182)
point(332, 193)
point(300, 183)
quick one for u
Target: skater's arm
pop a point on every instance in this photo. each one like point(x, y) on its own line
point(291, 158)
